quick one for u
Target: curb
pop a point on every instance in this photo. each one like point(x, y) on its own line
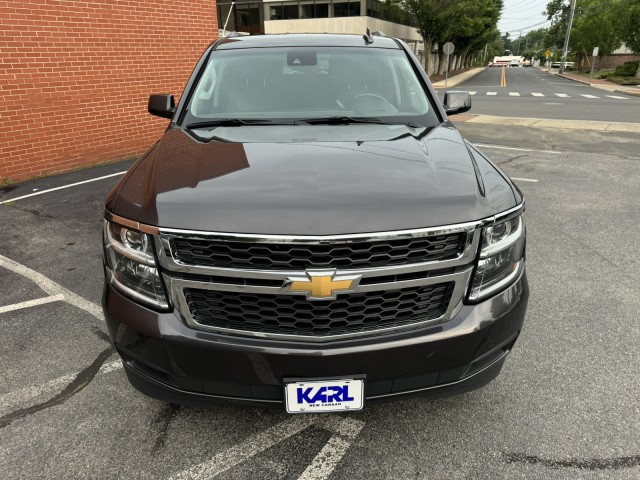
point(597, 85)
point(455, 81)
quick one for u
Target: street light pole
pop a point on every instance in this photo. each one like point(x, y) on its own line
point(565, 50)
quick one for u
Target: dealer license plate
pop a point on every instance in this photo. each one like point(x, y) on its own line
point(324, 396)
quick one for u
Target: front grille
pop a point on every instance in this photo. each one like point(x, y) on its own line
point(299, 256)
point(295, 315)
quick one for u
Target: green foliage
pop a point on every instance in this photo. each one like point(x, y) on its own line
point(629, 17)
point(627, 69)
point(596, 23)
point(469, 24)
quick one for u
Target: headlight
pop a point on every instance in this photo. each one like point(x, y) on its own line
point(501, 258)
point(131, 265)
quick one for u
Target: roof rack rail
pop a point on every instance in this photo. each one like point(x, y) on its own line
point(378, 34)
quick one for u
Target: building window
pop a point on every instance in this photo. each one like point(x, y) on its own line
point(345, 8)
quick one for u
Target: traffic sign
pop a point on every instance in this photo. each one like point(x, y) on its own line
point(547, 54)
point(595, 51)
point(448, 48)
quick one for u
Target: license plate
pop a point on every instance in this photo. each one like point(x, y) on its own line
point(324, 396)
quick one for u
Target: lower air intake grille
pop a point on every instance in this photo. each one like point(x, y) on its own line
point(295, 315)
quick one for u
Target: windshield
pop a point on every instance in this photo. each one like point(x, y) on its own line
point(310, 83)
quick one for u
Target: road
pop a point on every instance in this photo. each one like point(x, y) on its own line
point(565, 405)
point(531, 92)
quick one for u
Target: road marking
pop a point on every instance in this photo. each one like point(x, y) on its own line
point(516, 149)
point(330, 455)
point(533, 180)
point(472, 93)
point(617, 97)
point(514, 94)
point(492, 93)
point(252, 446)
point(61, 187)
point(562, 95)
point(503, 79)
point(31, 303)
point(588, 96)
point(538, 94)
point(19, 398)
point(51, 287)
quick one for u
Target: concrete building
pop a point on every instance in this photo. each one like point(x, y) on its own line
point(315, 16)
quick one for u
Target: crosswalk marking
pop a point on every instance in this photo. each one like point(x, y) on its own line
point(538, 94)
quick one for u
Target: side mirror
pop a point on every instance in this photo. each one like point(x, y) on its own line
point(457, 102)
point(162, 105)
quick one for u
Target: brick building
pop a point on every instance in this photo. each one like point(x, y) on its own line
point(75, 77)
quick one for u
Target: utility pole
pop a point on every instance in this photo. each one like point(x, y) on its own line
point(565, 50)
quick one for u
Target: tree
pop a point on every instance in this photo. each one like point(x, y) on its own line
point(506, 43)
point(470, 24)
point(597, 24)
point(431, 18)
point(629, 15)
point(558, 12)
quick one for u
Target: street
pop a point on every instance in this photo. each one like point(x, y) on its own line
point(531, 92)
point(564, 406)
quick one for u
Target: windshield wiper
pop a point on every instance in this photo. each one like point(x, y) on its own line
point(344, 120)
point(236, 122)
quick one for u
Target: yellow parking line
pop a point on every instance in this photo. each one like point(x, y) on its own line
point(503, 78)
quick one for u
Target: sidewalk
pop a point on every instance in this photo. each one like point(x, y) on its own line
point(601, 84)
point(592, 125)
point(458, 79)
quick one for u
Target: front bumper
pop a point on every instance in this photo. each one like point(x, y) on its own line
point(165, 359)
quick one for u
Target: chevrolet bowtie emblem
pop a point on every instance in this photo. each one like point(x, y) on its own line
point(321, 284)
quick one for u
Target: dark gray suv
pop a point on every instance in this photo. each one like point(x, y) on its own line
point(312, 231)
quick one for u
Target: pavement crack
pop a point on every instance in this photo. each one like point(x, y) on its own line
point(615, 463)
point(102, 335)
point(163, 421)
point(509, 160)
point(37, 213)
point(78, 384)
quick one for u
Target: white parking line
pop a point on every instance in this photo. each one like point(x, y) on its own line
point(617, 97)
point(326, 460)
point(514, 94)
point(517, 179)
point(31, 303)
point(472, 93)
point(588, 96)
point(516, 149)
point(252, 446)
point(492, 94)
point(562, 95)
point(20, 398)
point(51, 287)
point(536, 94)
point(62, 187)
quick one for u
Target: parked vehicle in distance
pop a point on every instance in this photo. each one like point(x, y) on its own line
point(557, 64)
point(312, 232)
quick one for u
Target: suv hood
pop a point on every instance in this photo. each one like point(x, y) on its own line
point(312, 187)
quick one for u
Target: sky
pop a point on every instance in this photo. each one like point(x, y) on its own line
point(522, 15)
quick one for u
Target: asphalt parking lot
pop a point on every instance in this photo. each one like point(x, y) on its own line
point(565, 405)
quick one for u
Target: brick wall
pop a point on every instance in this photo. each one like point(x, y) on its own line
point(75, 77)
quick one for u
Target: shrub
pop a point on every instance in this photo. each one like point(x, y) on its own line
point(627, 69)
